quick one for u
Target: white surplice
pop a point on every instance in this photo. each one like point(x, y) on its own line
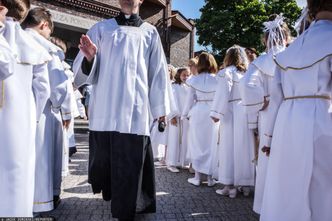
point(25, 93)
point(49, 137)
point(178, 135)
point(202, 133)
point(130, 78)
point(254, 88)
point(299, 176)
point(236, 148)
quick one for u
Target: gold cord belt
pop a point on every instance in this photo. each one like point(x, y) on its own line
point(230, 101)
point(326, 97)
point(203, 100)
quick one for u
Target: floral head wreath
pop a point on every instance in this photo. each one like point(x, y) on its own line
point(276, 34)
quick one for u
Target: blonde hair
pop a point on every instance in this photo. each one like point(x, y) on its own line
point(237, 57)
point(171, 71)
point(193, 61)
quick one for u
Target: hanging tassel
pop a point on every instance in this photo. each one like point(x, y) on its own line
point(2, 91)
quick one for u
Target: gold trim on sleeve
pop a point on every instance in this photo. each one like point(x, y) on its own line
point(69, 113)
point(39, 203)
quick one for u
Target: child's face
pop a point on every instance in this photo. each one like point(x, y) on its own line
point(130, 6)
point(193, 69)
point(3, 12)
point(184, 75)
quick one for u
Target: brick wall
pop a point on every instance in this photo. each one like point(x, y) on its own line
point(180, 47)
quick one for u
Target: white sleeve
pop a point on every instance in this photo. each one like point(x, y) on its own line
point(7, 62)
point(66, 107)
point(175, 112)
point(252, 94)
point(92, 77)
point(190, 100)
point(276, 97)
point(160, 92)
point(221, 98)
point(58, 82)
point(40, 87)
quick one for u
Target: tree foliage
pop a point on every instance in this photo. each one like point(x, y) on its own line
point(224, 23)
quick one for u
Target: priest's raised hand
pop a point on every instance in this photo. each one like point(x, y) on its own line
point(87, 47)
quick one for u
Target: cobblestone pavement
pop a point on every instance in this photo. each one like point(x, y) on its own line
point(176, 199)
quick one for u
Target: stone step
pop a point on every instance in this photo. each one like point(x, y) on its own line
point(81, 126)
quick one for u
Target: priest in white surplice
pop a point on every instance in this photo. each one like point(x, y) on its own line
point(49, 137)
point(125, 63)
point(24, 92)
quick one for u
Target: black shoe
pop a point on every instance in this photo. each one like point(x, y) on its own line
point(72, 150)
point(56, 201)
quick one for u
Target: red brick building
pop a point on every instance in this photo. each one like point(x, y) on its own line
point(74, 17)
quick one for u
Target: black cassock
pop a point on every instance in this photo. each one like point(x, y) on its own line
point(121, 165)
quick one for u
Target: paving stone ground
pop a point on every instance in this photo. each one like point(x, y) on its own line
point(176, 198)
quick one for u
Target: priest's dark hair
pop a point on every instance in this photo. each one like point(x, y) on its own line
point(17, 9)
point(316, 6)
point(207, 64)
point(177, 77)
point(236, 56)
point(36, 16)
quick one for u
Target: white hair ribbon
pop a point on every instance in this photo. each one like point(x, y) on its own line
point(276, 34)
